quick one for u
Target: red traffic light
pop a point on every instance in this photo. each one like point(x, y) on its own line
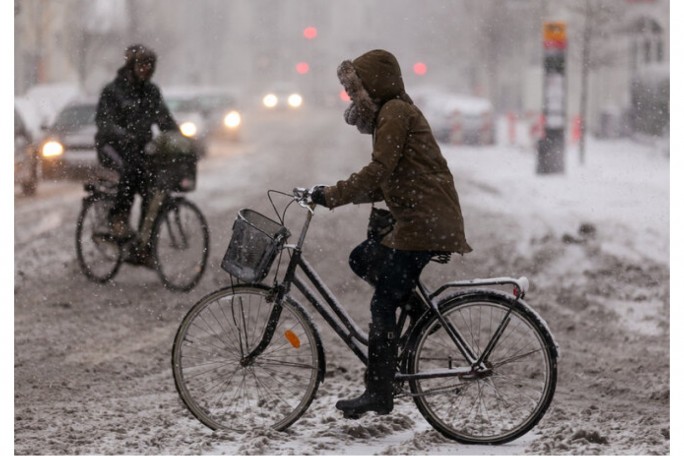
point(420, 68)
point(302, 67)
point(310, 33)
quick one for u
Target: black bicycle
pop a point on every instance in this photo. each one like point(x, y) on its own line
point(480, 364)
point(178, 236)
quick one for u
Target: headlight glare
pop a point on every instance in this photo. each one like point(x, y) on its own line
point(294, 100)
point(188, 129)
point(270, 100)
point(232, 119)
point(52, 149)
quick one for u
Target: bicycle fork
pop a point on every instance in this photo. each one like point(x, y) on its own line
point(248, 356)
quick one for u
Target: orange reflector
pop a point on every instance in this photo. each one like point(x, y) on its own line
point(292, 338)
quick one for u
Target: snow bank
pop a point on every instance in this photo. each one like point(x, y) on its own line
point(621, 189)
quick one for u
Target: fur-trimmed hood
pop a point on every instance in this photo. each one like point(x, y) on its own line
point(379, 73)
point(370, 81)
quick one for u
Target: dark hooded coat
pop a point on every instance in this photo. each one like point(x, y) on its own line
point(126, 111)
point(407, 169)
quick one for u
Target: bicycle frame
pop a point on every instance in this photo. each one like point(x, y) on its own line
point(353, 336)
point(158, 200)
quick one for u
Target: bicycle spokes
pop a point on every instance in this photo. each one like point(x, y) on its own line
point(499, 396)
point(98, 252)
point(228, 379)
point(181, 245)
point(177, 235)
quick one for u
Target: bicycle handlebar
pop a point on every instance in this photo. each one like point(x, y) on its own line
point(303, 197)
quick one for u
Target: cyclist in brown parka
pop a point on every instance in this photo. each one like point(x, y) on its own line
point(408, 172)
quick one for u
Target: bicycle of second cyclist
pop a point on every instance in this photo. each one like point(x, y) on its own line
point(480, 363)
point(177, 237)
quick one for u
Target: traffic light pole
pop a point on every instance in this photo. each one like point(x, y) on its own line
point(551, 148)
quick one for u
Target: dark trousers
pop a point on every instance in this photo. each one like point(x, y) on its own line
point(394, 274)
point(132, 180)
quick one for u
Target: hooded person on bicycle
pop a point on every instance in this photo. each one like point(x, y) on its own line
point(127, 109)
point(408, 172)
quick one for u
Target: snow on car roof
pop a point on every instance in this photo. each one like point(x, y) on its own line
point(48, 99)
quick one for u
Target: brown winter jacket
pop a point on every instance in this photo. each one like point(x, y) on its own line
point(407, 169)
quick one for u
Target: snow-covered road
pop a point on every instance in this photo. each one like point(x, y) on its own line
point(92, 362)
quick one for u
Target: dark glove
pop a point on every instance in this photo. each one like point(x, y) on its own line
point(318, 195)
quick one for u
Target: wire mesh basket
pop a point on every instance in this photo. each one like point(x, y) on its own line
point(178, 174)
point(254, 245)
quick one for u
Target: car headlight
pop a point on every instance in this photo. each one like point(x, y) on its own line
point(294, 100)
point(232, 119)
point(270, 100)
point(188, 129)
point(52, 149)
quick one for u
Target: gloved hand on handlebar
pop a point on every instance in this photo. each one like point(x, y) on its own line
point(318, 195)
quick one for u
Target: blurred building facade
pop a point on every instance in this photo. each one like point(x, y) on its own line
point(483, 47)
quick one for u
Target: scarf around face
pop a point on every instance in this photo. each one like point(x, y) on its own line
point(363, 111)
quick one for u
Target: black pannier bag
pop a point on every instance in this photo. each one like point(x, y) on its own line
point(380, 223)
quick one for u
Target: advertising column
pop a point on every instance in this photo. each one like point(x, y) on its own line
point(551, 147)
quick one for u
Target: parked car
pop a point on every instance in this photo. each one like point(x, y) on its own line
point(458, 119)
point(25, 161)
point(68, 145)
point(204, 113)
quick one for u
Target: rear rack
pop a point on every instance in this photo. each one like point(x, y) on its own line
point(521, 285)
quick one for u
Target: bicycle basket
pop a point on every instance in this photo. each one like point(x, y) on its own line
point(172, 158)
point(177, 175)
point(253, 247)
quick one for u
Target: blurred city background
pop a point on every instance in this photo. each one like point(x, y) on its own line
point(488, 48)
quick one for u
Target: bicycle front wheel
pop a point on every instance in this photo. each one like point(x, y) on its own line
point(217, 383)
point(181, 245)
point(505, 395)
point(97, 250)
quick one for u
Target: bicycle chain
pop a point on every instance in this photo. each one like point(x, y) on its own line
point(433, 392)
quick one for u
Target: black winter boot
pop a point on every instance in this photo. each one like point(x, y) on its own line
point(379, 394)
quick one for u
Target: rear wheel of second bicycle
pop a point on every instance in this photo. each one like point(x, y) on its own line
point(512, 389)
point(181, 245)
point(98, 252)
point(226, 390)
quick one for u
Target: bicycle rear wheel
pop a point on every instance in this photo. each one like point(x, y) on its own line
point(98, 252)
point(224, 391)
point(181, 245)
point(515, 384)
